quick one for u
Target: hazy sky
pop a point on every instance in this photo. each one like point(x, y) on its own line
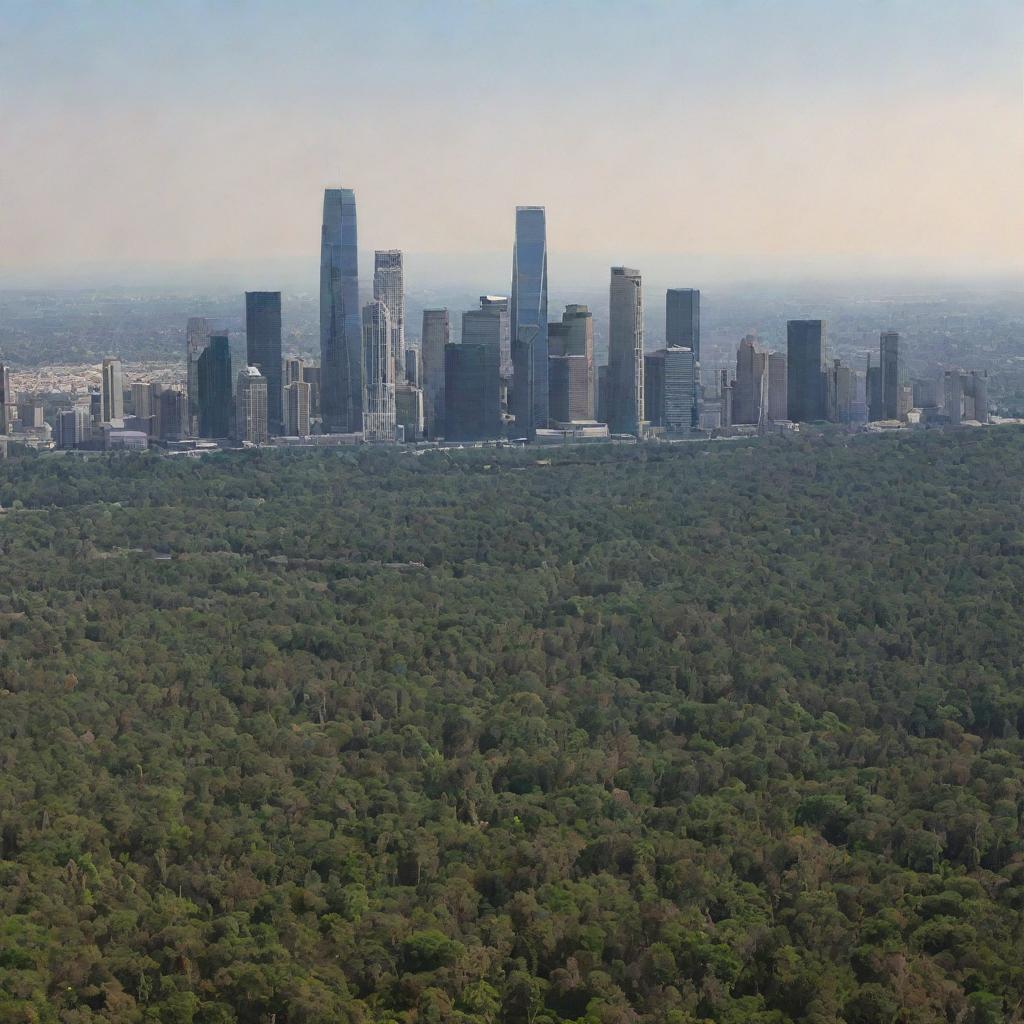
point(742, 135)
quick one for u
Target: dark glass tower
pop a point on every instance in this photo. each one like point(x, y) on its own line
point(263, 350)
point(529, 321)
point(889, 350)
point(214, 379)
point(341, 331)
point(472, 397)
point(682, 319)
point(805, 360)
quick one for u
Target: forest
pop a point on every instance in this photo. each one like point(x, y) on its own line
point(716, 732)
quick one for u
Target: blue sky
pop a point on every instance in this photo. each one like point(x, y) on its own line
point(775, 134)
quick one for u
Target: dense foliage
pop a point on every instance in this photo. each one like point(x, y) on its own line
point(724, 732)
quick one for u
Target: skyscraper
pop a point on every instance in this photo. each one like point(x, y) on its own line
point(750, 369)
point(172, 407)
point(214, 387)
point(142, 399)
point(654, 388)
point(680, 402)
point(389, 288)
point(682, 319)
point(311, 375)
point(293, 367)
point(778, 387)
point(251, 406)
point(378, 373)
point(805, 359)
point(625, 352)
point(490, 325)
point(6, 399)
point(472, 393)
point(341, 380)
point(112, 391)
point(263, 350)
point(197, 337)
point(571, 365)
point(296, 408)
point(529, 321)
point(436, 335)
point(889, 360)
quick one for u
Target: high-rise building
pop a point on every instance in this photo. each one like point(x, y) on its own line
point(311, 375)
point(251, 406)
point(197, 337)
point(6, 400)
point(472, 399)
point(74, 426)
point(490, 325)
point(805, 360)
point(172, 407)
point(778, 387)
point(142, 399)
point(378, 373)
point(341, 368)
point(654, 388)
point(293, 367)
point(725, 390)
point(214, 387)
point(409, 409)
point(296, 409)
point(750, 370)
point(682, 319)
point(112, 391)
point(889, 352)
point(966, 396)
point(263, 350)
point(389, 288)
point(571, 365)
point(680, 389)
point(30, 413)
point(626, 352)
point(873, 391)
point(529, 321)
point(436, 336)
point(412, 367)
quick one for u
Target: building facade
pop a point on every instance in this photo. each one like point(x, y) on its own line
point(682, 319)
point(891, 375)
point(197, 337)
point(571, 361)
point(112, 391)
point(807, 397)
point(778, 387)
point(251, 407)
point(529, 321)
point(389, 288)
point(472, 393)
point(214, 387)
point(341, 370)
point(263, 350)
point(750, 382)
point(433, 344)
point(378, 373)
point(680, 389)
point(296, 409)
point(626, 352)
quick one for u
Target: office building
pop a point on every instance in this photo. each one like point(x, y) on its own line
point(891, 374)
point(293, 368)
point(251, 402)
point(311, 375)
point(435, 339)
point(341, 368)
point(30, 414)
point(197, 337)
point(626, 352)
point(263, 350)
point(807, 397)
point(529, 321)
point(214, 387)
point(378, 373)
point(472, 399)
point(654, 388)
point(490, 325)
point(389, 288)
point(409, 410)
point(74, 427)
point(296, 409)
point(681, 375)
point(412, 367)
point(873, 391)
point(966, 396)
point(112, 391)
point(142, 399)
point(750, 382)
point(725, 394)
point(6, 400)
point(778, 387)
point(682, 319)
point(571, 370)
point(171, 408)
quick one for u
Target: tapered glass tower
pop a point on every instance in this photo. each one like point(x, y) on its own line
point(529, 321)
point(341, 380)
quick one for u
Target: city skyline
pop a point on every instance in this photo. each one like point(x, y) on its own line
point(867, 95)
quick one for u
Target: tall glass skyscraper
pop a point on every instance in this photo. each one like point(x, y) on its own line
point(807, 396)
point(626, 352)
point(214, 386)
point(529, 321)
point(891, 376)
point(436, 334)
point(197, 337)
point(341, 365)
point(682, 319)
point(263, 350)
point(378, 368)
point(389, 288)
